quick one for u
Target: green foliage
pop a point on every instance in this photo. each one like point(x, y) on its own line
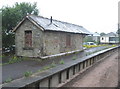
point(11, 16)
point(102, 34)
point(62, 62)
point(53, 64)
point(74, 58)
point(107, 46)
point(88, 39)
point(113, 45)
point(47, 67)
point(14, 59)
point(90, 46)
point(28, 73)
point(8, 80)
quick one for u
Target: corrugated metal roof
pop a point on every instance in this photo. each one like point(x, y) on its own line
point(57, 25)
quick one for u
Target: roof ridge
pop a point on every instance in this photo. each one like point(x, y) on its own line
point(55, 20)
point(63, 26)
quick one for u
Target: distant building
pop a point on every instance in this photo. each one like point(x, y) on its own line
point(36, 36)
point(96, 37)
point(110, 38)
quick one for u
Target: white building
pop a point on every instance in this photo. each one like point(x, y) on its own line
point(109, 38)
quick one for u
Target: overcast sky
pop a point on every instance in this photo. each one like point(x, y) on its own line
point(94, 15)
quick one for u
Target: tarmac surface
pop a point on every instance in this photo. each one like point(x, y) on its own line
point(17, 70)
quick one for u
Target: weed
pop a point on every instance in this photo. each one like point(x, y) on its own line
point(46, 67)
point(74, 58)
point(8, 80)
point(14, 60)
point(62, 62)
point(27, 73)
point(113, 46)
point(53, 64)
point(41, 70)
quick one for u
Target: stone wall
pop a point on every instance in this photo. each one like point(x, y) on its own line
point(55, 42)
point(37, 43)
point(45, 43)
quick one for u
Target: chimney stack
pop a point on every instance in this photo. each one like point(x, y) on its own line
point(51, 20)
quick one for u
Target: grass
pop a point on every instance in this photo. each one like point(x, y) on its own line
point(13, 59)
point(61, 62)
point(107, 46)
point(92, 46)
point(74, 58)
point(8, 80)
point(28, 73)
point(53, 64)
point(47, 67)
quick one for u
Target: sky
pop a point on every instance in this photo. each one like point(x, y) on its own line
point(94, 15)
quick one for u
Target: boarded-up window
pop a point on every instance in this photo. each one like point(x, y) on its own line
point(28, 38)
point(68, 40)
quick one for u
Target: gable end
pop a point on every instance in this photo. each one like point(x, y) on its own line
point(32, 21)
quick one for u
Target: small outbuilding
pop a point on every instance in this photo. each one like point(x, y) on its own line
point(37, 36)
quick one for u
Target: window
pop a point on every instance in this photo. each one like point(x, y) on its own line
point(68, 40)
point(113, 38)
point(91, 43)
point(28, 38)
point(102, 38)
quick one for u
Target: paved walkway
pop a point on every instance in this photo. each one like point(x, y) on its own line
point(104, 74)
point(17, 70)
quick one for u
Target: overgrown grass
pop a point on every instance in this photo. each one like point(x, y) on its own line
point(8, 80)
point(13, 59)
point(28, 73)
point(61, 62)
point(92, 46)
point(74, 58)
point(107, 46)
point(47, 67)
point(52, 65)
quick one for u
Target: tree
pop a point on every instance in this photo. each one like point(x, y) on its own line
point(11, 16)
point(102, 34)
point(88, 39)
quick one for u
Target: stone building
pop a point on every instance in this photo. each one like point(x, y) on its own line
point(36, 36)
